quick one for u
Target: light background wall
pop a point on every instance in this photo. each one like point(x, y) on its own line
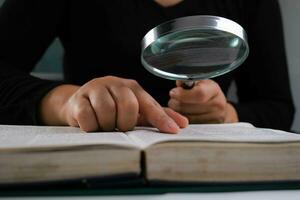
point(51, 61)
point(291, 20)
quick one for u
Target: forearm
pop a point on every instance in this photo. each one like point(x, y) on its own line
point(20, 96)
point(50, 110)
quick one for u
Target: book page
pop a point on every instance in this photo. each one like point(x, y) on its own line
point(53, 136)
point(236, 132)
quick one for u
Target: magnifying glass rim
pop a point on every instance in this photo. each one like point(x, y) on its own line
point(204, 22)
point(196, 22)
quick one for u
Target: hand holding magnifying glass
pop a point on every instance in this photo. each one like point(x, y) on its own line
point(190, 50)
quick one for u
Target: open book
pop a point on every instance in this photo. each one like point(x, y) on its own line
point(198, 154)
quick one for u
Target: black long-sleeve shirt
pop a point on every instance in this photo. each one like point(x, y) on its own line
point(103, 38)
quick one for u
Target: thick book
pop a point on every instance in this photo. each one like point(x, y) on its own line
point(216, 153)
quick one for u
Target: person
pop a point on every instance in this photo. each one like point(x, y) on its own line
point(105, 86)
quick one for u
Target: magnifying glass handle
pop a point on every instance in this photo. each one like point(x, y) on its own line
point(188, 84)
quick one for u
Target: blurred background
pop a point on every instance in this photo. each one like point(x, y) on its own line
point(50, 66)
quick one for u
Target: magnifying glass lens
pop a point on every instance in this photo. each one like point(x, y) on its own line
point(194, 54)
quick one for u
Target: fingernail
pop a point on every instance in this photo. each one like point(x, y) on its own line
point(185, 123)
point(172, 126)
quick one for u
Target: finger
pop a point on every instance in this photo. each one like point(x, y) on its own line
point(203, 91)
point(152, 112)
point(181, 120)
point(157, 117)
point(191, 108)
point(127, 107)
point(85, 115)
point(104, 107)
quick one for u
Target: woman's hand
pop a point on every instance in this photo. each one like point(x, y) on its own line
point(106, 104)
point(204, 103)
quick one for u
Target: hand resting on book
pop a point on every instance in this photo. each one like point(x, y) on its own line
point(105, 104)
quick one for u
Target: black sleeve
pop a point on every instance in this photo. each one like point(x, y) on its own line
point(263, 82)
point(27, 28)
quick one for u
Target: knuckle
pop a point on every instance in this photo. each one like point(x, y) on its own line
point(130, 104)
point(209, 81)
point(90, 86)
point(93, 81)
point(133, 83)
point(81, 112)
point(215, 84)
point(200, 94)
point(109, 77)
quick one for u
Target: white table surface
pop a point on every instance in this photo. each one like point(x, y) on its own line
point(254, 195)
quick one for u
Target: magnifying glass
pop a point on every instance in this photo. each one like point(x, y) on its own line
point(194, 47)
